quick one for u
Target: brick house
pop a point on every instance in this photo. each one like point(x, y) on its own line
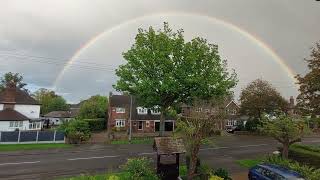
point(230, 107)
point(144, 120)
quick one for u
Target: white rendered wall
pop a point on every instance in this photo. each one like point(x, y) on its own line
point(4, 126)
point(30, 111)
point(1, 107)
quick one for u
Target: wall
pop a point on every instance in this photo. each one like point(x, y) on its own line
point(113, 115)
point(4, 126)
point(1, 107)
point(30, 111)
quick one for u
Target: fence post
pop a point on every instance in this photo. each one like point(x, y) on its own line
point(37, 136)
point(0, 135)
point(19, 136)
point(54, 136)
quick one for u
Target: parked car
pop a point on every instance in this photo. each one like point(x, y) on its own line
point(272, 172)
point(232, 129)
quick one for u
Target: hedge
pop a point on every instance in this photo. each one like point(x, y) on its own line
point(309, 155)
point(96, 124)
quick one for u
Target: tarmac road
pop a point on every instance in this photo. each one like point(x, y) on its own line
point(91, 159)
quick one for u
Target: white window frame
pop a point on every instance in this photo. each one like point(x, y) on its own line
point(141, 110)
point(11, 124)
point(141, 125)
point(156, 110)
point(120, 110)
point(120, 122)
point(198, 109)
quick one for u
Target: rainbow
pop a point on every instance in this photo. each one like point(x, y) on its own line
point(210, 19)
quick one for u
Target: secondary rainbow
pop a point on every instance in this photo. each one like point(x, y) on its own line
point(210, 19)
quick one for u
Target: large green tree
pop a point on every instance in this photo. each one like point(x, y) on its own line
point(260, 97)
point(286, 130)
point(11, 78)
point(162, 70)
point(309, 98)
point(50, 101)
point(94, 107)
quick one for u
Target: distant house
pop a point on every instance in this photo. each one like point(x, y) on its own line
point(59, 117)
point(18, 110)
point(144, 120)
point(230, 107)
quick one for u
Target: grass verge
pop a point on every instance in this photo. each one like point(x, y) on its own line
point(248, 163)
point(18, 147)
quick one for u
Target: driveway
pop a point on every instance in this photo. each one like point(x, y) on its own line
point(91, 159)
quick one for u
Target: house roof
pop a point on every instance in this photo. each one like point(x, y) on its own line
point(11, 115)
point(61, 114)
point(168, 146)
point(16, 96)
point(124, 101)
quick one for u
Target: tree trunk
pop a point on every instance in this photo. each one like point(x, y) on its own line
point(193, 161)
point(161, 127)
point(285, 150)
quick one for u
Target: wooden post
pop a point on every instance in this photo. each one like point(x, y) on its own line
point(177, 161)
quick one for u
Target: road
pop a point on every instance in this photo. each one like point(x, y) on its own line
point(89, 159)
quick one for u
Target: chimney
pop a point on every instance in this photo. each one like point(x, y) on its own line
point(291, 101)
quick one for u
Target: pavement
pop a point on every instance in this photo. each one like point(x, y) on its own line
point(99, 158)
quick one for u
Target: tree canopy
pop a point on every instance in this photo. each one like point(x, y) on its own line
point(94, 107)
point(12, 78)
point(260, 97)
point(284, 129)
point(309, 98)
point(162, 70)
point(50, 101)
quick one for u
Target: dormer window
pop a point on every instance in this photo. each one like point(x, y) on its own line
point(120, 110)
point(155, 111)
point(142, 110)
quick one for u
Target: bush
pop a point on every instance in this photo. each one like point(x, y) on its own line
point(96, 124)
point(222, 173)
point(304, 154)
point(306, 171)
point(252, 125)
point(76, 131)
point(139, 169)
point(216, 178)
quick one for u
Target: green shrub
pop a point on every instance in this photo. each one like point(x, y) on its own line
point(222, 173)
point(96, 124)
point(139, 169)
point(216, 178)
point(252, 125)
point(76, 131)
point(304, 154)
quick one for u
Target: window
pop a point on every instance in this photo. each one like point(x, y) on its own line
point(142, 110)
point(233, 112)
point(140, 125)
point(156, 110)
point(16, 124)
point(20, 124)
point(147, 123)
point(229, 123)
point(120, 123)
point(120, 110)
point(34, 125)
point(198, 109)
point(11, 124)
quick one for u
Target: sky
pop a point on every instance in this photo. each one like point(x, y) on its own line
point(74, 46)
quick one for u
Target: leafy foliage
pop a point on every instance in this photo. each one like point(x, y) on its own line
point(260, 97)
point(50, 101)
point(306, 171)
point(94, 107)
point(305, 154)
point(76, 130)
point(309, 98)
point(139, 169)
point(162, 70)
point(222, 173)
point(284, 129)
point(14, 79)
point(96, 124)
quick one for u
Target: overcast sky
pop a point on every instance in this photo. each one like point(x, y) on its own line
point(38, 38)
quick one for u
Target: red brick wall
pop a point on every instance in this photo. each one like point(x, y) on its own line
point(113, 116)
point(145, 129)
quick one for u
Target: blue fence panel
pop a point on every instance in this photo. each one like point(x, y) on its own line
point(9, 136)
point(46, 136)
point(26, 136)
point(59, 136)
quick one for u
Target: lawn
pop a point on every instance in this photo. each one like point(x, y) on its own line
point(134, 141)
point(17, 147)
point(249, 163)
